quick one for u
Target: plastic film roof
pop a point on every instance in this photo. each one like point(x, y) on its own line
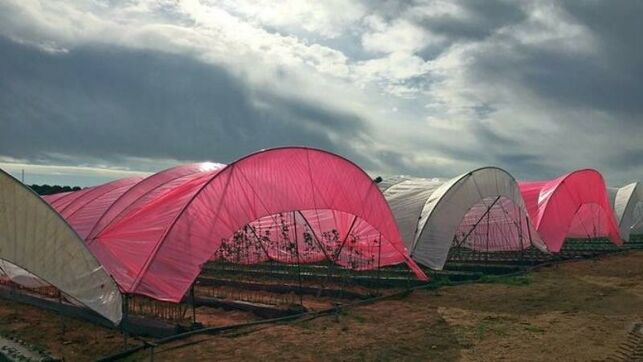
point(628, 207)
point(563, 207)
point(154, 235)
point(36, 239)
point(431, 213)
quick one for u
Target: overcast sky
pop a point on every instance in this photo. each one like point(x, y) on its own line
point(93, 90)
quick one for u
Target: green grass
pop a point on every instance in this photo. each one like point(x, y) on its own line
point(534, 329)
point(497, 327)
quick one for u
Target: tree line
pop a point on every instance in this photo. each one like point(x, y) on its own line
point(50, 190)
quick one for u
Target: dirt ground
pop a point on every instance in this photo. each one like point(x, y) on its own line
point(72, 339)
point(570, 312)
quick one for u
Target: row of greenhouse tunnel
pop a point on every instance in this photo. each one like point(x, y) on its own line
point(151, 236)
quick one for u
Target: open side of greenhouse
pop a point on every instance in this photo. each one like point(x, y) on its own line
point(291, 205)
point(38, 247)
point(573, 205)
point(481, 210)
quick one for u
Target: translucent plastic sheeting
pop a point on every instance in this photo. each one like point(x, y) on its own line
point(496, 224)
point(407, 198)
point(97, 198)
point(17, 275)
point(83, 217)
point(431, 213)
point(61, 202)
point(310, 236)
point(590, 222)
point(148, 189)
point(637, 228)
point(35, 238)
point(154, 237)
point(628, 206)
point(54, 197)
point(388, 181)
point(554, 205)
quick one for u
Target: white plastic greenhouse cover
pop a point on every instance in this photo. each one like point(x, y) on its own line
point(628, 207)
point(429, 212)
point(37, 239)
point(20, 276)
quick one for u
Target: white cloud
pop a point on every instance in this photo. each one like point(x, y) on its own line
point(329, 18)
point(401, 36)
point(290, 50)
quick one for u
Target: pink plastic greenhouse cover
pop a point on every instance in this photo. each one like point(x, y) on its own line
point(554, 206)
point(497, 224)
point(154, 235)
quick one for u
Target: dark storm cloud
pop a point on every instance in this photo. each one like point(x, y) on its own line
point(112, 103)
point(497, 70)
point(629, 160)
point(481, 20)
point(401, 161)
point(566, 79)
point(594, 95)
point(618, 26)
point(610, 79)
point(490, 148)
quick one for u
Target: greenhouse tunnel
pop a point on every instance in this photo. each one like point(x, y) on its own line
point(154, 234)
point(481, 210)
point(573, 205)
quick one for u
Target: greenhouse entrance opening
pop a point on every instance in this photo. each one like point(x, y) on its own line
point(493, 231)
point(588, 233)
point(302, 260)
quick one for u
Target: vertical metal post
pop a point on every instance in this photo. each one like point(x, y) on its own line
point(294, 221)
point(192, 302)
point(125, 318)
point(62, 318)
point(486, 255)
point(528, 231)
point(520, 235)
point(379, 257)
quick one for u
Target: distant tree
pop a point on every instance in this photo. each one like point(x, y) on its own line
point(50, 190)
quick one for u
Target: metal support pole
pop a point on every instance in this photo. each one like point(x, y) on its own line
point(63, 326)
point(486, 254)
point(192, 302)
point(478, 222)
point(379, 257)
point(520, 235)
point(339, 251)
point(294, 221)
point(125, 318)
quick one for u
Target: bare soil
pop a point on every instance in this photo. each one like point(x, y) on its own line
point(575, 311)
